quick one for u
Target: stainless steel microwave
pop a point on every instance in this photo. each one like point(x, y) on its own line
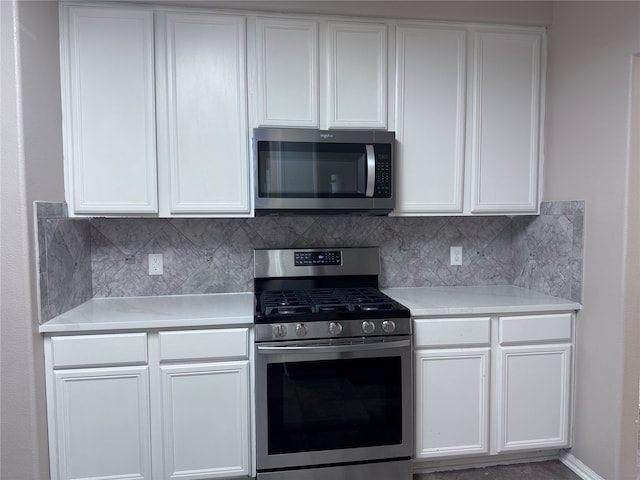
point(307, 171)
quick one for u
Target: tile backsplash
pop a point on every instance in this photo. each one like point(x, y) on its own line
point(105, 257)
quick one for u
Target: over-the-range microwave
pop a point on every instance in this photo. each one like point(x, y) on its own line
point(307, 171)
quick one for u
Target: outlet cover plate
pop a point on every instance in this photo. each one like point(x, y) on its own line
point(456, 255)
point(155, 264)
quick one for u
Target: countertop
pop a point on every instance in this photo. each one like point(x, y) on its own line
point(234, 309)
point(126, 313)
point(480, 300)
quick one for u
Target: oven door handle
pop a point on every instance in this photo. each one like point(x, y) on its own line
point(357, 347)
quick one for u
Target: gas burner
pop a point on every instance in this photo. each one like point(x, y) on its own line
point(368, 307)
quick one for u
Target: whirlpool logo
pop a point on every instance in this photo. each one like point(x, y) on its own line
point(326, 135)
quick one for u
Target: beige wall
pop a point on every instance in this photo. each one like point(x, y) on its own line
point(31, 170)
point(590, 50)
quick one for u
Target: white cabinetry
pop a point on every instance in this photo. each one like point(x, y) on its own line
point(136, 82)
point(430, 119)
point(534, 382)
point(505, 122)
point(515, 370)
point(202, 124)
point(452, 386)
point(149, 405)
point(205, 403)
point(107, 69)
point(98, 407)
point(468, 108)
point(305, 63)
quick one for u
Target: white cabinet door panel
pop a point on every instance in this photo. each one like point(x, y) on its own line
point(505, 122)
point(287, 62)
point(108, 93)
point(102, 422)
point(430, 121)
point(452, 402)
point(534, 397)
point(205, 433)
point(206, 120)
point(357, 75)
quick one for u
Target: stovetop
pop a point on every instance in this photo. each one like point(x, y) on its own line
point(322, 304)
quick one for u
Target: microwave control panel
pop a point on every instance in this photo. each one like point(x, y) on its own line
point(383, 175)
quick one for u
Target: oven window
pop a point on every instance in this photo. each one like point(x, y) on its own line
point(334, 404)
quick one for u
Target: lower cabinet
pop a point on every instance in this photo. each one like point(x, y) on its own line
point(204, 420)
point(101, 421)
point(157, 405)
point(492, 385)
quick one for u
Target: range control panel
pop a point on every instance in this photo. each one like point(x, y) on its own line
point(305, 259)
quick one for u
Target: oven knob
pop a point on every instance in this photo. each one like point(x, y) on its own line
point(388, 326)
point(301, 330)
point(279, 330)
point(368, 327)
point(335, 328)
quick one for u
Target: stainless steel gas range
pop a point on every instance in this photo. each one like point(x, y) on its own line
point(333, 368)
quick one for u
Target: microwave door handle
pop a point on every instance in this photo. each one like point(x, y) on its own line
point(371, 170)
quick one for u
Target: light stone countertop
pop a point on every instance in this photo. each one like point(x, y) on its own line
point(142, 313)
point(479, 300)
point(234, 309)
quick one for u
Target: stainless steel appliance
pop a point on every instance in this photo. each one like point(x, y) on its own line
point(323, 171)
point(333, 368)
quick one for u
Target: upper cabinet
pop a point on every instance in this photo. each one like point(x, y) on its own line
point(202, 121)
point(158, 105)
point(505, 122)
point(154, 109)
point(468, 108)
point(109, 110)
point(287, 72)
point(320, 74)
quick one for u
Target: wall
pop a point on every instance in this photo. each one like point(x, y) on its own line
point(31, 169)
point(590, 49)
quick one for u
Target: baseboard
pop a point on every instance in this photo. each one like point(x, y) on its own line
point(579, 468)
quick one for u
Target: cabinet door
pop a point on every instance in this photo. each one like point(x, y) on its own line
point(287, 58)
point(430, 109)
point(505, 121)
point(205, 420)
point(357, 75)
point(203, 126)
point(452, 402)
point(108, 109)
point(102, 424)
point(533, 397)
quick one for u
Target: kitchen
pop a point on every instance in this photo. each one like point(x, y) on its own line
point(570, 173)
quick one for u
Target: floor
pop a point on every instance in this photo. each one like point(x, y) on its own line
point(550, 470)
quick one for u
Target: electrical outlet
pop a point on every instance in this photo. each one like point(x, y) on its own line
point(155, 264)
point(456, 255)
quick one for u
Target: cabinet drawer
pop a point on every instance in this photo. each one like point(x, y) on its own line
point(91, 350)
point(441, 332)
point(204, 344)
point(554, 327)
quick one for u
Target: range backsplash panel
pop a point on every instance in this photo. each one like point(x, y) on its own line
point(543, 253)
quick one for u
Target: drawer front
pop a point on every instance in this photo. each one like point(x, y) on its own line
point(92, 350)
point(204, 344)
point(443, 332)
point(555, 327)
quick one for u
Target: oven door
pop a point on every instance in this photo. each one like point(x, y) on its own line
point(333, 401)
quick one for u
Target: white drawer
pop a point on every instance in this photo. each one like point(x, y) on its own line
point(92, 350)
point(204, 344)
point(443, 332)
point(555, 327)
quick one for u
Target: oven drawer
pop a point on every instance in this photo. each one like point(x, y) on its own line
point(204, 344)
point(451, 332)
